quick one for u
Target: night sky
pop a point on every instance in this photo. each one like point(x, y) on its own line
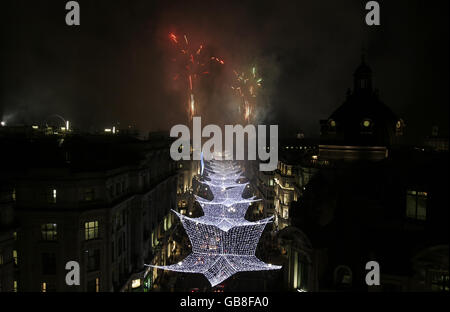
point(116, 66)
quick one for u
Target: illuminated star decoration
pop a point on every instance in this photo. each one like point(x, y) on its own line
point(223, 241)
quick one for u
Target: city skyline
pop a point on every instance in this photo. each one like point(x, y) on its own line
point(116, 66)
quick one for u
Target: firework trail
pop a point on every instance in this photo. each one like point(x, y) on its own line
point(194, 65)
point(246, 87)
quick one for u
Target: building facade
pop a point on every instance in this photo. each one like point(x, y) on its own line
point(102, 201)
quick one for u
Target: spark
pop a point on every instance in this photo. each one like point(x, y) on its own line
point(246, 87)
point(193, 63)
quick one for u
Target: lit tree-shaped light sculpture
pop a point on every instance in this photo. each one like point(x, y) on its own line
point(223, 241)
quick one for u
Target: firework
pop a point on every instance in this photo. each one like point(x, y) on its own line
point(246, 87)
point(194, 65)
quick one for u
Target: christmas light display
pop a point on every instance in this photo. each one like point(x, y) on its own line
point(223, 241)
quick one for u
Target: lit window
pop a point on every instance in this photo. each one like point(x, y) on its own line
point(136, 283)
point(13, 195)
point(15, 286)
point(49, 231)
point(416, 205)
point(52, 196)
point(94, 285)
point(43, 287)
point(91, 230)
point(16, 262)
point(439, 280)
point(289, 171)
point(285, 213)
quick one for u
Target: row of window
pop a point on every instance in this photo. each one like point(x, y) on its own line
point(92, 286)
point(88, 195)
point(52, 194)
point(15, 259)
point(49, 231)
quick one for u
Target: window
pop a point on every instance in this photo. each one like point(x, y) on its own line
point(14, 195)
point(343, 276)
point(89, 194)
point(286, 199)
point(112, 252)
point(91, 230)
point(15, 286)
point(439, 280)
point(416, 205)
point(1, 258)
point(43, 287)
point(16, 261)
point(94, 285)
point(120, 247)
point(136, 283)
point(300, 277)
point(52, 196)
point(48, 263)
point(366, 124)
point(289, 170)
point(49, 231)
point(93, 260)
point(124, 242)
point(363, 83)
point(332, 123)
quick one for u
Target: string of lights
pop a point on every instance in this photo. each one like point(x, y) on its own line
point(223, 241)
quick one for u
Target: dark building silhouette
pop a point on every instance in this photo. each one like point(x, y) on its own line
point(363, 127)
point(100, 200)
point(360, 196)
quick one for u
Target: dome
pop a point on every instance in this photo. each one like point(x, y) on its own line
point(363, 119)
